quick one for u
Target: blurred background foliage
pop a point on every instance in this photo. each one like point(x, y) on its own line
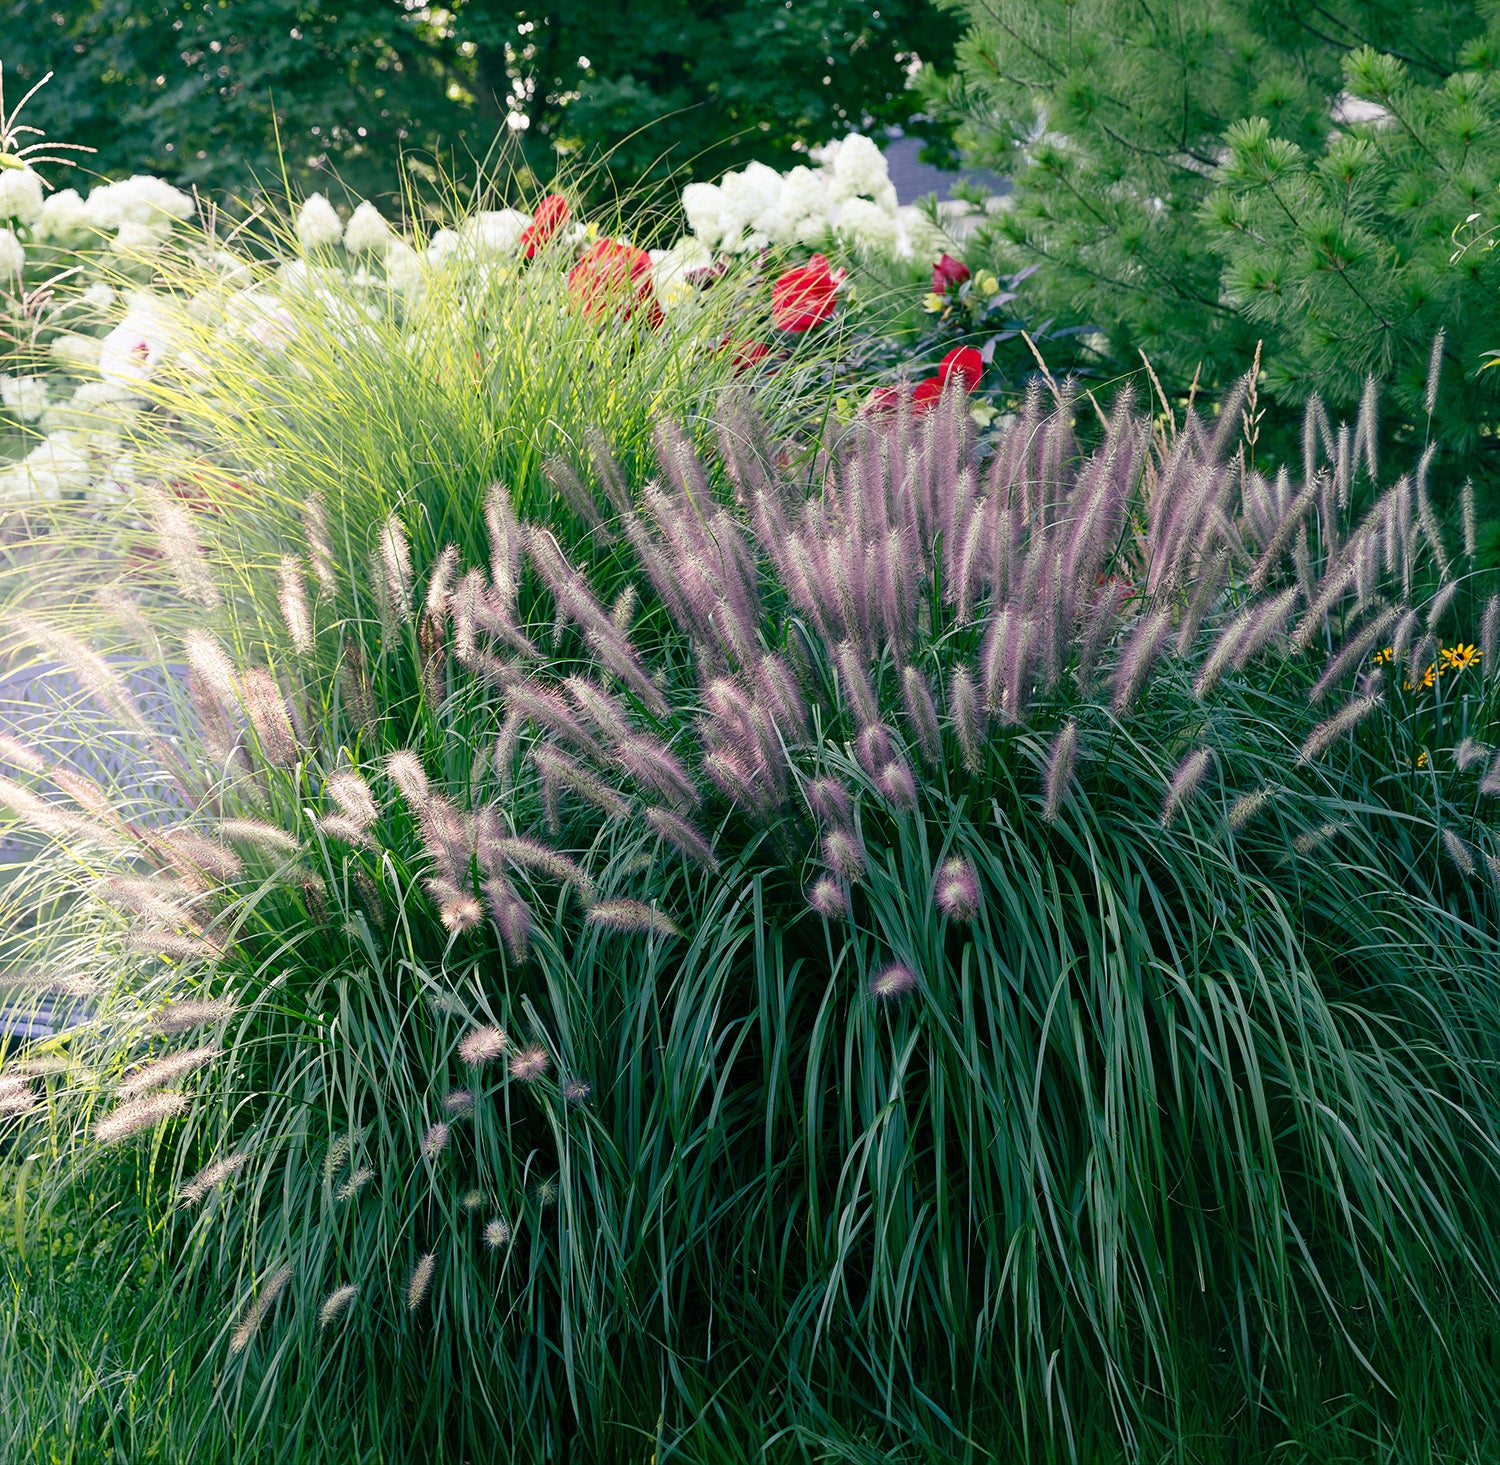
point(217, 94)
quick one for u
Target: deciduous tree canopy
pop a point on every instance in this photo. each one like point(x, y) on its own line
point(201, 91)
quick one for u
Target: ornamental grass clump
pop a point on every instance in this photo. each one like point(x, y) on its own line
point(958, 947)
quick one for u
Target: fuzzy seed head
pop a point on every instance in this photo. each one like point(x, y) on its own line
point(435, 1141)
point(842, 852)
point(529, 1065)
point(1186, 780)
point(483, 1045)
point(266, 838)
point(460, 1103)
point(829, 898)
point(577, 1091)
point(404, 769)
point(1247, 806)
point(138, 1115)
point(892, 982)
point(18, 755)
point(164, 1071)
point(957, 891)
point(294, 607)
point(355, 1183)
point(631, 917)
point(1460, 853)
point(210, 1177)
point(336, 1304)
point(497, 1233)
point(1062, 760)
point(274, 1286)
point(17, 1097)
point(421, 1280)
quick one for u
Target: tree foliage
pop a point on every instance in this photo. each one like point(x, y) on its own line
point(203, 92)
point(1199, 177)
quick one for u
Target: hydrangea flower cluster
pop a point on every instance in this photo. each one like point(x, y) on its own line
point(848, 198)
point(66, 403)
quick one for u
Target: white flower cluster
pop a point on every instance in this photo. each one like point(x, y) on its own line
point(136, 214)
point(848, 198)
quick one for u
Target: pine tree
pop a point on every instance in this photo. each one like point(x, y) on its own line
point(1198, 177)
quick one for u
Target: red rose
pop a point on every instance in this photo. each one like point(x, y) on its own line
point(965, 363)
point(946, 272)
point(881, 401)
point(551, 214)
point(804, 296)
point(613, 279)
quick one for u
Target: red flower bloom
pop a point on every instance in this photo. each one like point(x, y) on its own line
point(551, 214)
point(803, 297)
point(927, 393)
point(946, 272)
point(613, 279)
point(882, 400)
point(747, 353)
point(965, 363)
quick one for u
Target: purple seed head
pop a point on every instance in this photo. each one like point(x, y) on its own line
point(892, 982)
point(829, 801)
point(957, 892)
point(841, 849)
point(1061, 761)
point(874, 748)
point(829, 898)
point(529, 1064)
point(897, 785)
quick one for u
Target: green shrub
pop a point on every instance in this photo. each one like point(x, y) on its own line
point(1195, 179)
point(894, 947)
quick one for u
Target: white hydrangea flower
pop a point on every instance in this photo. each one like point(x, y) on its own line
point(99, 297)
point(138, 200)
point(25, 396)
point(670, 269)
point(118, 480)
point(498, 232)
point(703, 204)
point(751, 200)
point(403, 268)
point(12, 259)
point(442, 247)
point(859, 168)
point(96, 417)
point(54, 468)
point(918, 235)
point(130, 354)
point(805, 206)
point(20, 195)
point(135, 238)
point(867, 226)
point(367, 232)
point(77, 353)
point(318, 223)
point(64, 217)
point(272, 325)
point(886, 197)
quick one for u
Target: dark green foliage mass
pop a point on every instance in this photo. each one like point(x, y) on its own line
point(197, 92)
point(1195, 178)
